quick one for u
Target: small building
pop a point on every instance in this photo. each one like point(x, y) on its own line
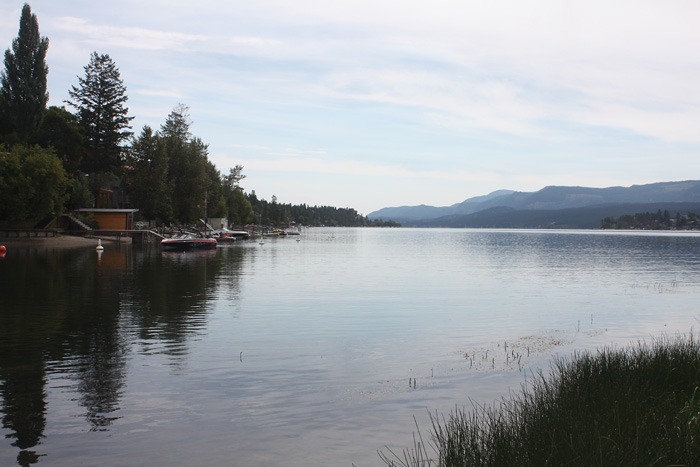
point(112, 219)
point(217, 222)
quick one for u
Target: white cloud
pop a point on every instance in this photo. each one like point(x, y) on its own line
point(159, 92)
point(127, 37)
point(293, 161)
point(502, 66)
point(498, 92)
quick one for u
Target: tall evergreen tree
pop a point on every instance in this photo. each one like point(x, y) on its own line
point(23, 93)
point(177, 125)
point(148, 177)
point(239, 208)
point(187, 166)
point(100, 101)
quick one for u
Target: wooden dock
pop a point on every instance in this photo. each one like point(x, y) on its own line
point(138, 237)
point(28, 233)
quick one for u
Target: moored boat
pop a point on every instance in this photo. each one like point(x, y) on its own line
point(187, 242)
point(240, 234)
point(223, 234)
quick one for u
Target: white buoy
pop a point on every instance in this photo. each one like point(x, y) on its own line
point(99, 246)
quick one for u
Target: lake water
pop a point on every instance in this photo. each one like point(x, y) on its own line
point(300, 353)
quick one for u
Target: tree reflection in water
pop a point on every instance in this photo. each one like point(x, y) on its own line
point(75, 312)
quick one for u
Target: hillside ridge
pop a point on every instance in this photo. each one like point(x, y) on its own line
point(662, 195)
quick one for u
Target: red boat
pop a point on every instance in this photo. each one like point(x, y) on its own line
point(187, 242)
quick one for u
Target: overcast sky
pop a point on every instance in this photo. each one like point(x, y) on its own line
point(372, 103)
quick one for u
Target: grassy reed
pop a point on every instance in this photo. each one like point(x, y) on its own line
point(636, 406)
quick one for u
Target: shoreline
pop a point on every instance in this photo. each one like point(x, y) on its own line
point(58, 242)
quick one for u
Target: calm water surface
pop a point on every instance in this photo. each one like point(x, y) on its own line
point(300, 353)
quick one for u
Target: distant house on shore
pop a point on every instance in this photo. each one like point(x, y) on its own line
point(111, 219)
point(217, 222)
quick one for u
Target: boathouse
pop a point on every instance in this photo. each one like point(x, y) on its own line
point(111, 219)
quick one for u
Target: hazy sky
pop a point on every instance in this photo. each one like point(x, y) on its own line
point(369, 104)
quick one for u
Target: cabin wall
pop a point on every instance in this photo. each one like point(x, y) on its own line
point(218, 222)
point(112, 221)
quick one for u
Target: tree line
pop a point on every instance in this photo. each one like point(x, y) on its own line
point(274, 213)
point(653, 221)
point(85, 154)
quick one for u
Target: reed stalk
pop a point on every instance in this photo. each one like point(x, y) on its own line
point(635, 406)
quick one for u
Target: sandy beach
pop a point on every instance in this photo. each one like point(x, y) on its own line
point(61, 241)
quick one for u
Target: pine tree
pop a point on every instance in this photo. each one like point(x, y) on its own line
point(100, 101)
point(23, 93)
point(187, 166)
point(177, 125)
point(148, 177)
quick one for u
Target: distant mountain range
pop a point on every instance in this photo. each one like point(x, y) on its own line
point(551, 207)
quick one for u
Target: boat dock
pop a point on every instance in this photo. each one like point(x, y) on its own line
point(28, 233)
point(138, 236)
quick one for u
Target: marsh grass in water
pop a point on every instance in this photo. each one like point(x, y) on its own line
point(634, 406)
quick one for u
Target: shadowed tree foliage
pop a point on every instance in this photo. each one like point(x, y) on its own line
point(177, 124)
point(277, 214)
point(187, 166)
point(653, 221)
point(61, 131)
point(239, 209)
point(100, 99)
point(148, 176)
point(215, 195)
point(23, 93)
point(189, 179)
point(32, 184)
point(78, 193)
point(169, 175)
